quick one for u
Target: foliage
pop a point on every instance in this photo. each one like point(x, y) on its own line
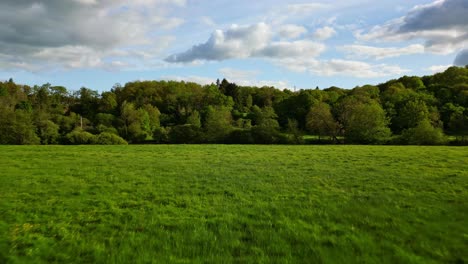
point(80, 137)
point(367, 124)
point(185, 134)
point(106, 138)
point(424, 134)
point(147, 111)
point(320, 121)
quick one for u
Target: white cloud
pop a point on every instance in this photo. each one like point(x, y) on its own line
point(362, 51)
point(324, 33)
point(235, 74)
point(438, 68)
point(339, 67)
point(291, 31)
point(246, 42)
point(236, 42)
point(294, 49)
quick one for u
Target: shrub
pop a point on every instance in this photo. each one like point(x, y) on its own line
point(423, 134)
point(80, 137)
point(106, 138)
point(240, 136)
point(185, 134)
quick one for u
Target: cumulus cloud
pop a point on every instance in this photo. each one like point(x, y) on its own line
point(236, 42)
point(324, 33)
point(249, 78)
point(291, 31)
point(362, 51)
point(77, 29)
point(462, 58)
point(442, 24)
point(341, 67)
point(294, 49)
point(246, 42)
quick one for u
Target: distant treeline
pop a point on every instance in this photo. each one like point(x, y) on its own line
point(410, 110)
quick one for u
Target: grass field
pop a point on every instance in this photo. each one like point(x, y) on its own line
point(241, 204)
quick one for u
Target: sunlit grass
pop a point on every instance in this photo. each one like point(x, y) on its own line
point(222, 204)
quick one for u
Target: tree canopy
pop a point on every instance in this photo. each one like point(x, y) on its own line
point(408, 110)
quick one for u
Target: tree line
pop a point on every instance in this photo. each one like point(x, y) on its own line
point(409, 110)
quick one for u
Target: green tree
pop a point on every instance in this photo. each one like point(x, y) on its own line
point(194, 119)
point(320, 121)
point(218, 123)
point(367, 124)
point(48, 132)
point(136, 123)
point(24, 129)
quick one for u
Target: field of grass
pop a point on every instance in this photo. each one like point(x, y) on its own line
point(241, 204)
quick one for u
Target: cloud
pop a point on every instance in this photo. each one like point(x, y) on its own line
point(362, 51)
point(249, 78)
point(339, 67)
point(438, 68)
point(294, 49)
point(324, 33)
point(305, 9)
point(442, 24)
point(240, 42)
point(236, 42)
point(462, 58)
point(41, 29)
point(291, 31)
point(235, 74)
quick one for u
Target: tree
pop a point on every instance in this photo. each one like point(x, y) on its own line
point(294, 131)
point(458, 124)
point(367, 124)
point(24, 129)
point(136, 123)
point(194, 119)
point(218, 123)
point(320, 121)
point(48, 132)
point(411, 114)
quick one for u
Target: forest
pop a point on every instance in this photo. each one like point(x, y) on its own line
point(429, 110)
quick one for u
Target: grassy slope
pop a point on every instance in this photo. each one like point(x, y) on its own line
point(223, 204)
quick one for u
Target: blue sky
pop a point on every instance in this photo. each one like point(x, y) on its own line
point(286, 44)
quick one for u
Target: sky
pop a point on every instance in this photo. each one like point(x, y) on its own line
point(282, 43)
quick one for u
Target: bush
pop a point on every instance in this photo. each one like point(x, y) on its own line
point(268, 135)
point(161, 135)
point(80, 137)
point(240, 136)
point(185, 134)
point(106, 138)
point(423, 134)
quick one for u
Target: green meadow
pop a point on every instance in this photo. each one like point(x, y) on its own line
point(233, 204)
